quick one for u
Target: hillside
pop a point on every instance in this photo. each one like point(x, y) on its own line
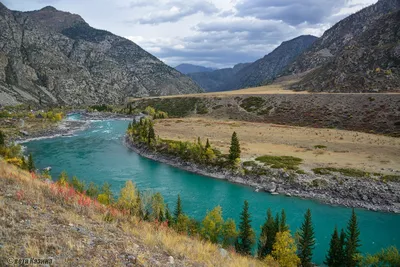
point(55, 57)
point(358, 54)
point(46, 221)
point(257, 73)
point(218, 80)
point(189, 68)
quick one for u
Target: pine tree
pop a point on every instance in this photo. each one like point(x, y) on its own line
point(234, 150)
point(334, 257)
point(178, 209)
point(31, 164)
point(151, 134)
point(352, 242)
point(246, 236)
point(283, 227)
point(342, 246)
point(207, 144)
point(3, 139)
point(277, 223)
point(306, 241)
point(267, 237)
point(168, 216)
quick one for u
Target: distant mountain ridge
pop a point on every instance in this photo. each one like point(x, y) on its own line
point(55, 57)
point(256, 73)
point(361, 53)
point(189, 68)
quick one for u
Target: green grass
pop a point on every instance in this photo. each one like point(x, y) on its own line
point(344, 171)
point(252, 103)
point(320, 147)
point(283, 162)
point(391, 178)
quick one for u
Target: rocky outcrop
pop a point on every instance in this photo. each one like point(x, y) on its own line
point(330, 189)
point(189, 68)
point(358, 54)
point(55, 57)
point(257, 73)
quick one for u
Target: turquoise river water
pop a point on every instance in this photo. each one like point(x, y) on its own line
point(97, 154)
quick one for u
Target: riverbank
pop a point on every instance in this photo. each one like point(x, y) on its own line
point(337, 190)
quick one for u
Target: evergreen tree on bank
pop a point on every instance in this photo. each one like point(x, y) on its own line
point(178, 209)
point(352, 242)
point(31, 164)
point(234, 150)
point(267, 237)
point(306, 241)
point(335, 253)
point(2, 139)
point(151, 134)
point(283, 226)
point(246, 237)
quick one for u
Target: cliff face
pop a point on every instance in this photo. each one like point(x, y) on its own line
point(257, 73)
point(346, 57)
point(55, 57)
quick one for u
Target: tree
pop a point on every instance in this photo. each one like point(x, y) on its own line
point(385, 258)
point(62, 178)
point(24, 165)
point(277, 223)
point(283, 226)
point(31, 164)
point(92, 190)
point(178, 209)
point(2, 139)
point(246, 237)
point(352, 242)
point(78, 185)
point(334, 256)
point(284, 250)
point(127, 197)
point(106, 195)
point(182, 223)
point(151, 134)
point(168, 216)
point(306, 240)
point(267, 237)
point(342, 245)
point(234, 150)
point(229, 233)
point(212, 225)
point(157, 207)
point(207, 144)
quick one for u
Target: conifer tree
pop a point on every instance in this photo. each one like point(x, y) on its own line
point(92, 190)
point(334, 257)
point(306, 241)
point(246, 237)
point(283, 226)
point(207, 144)
point(277, 223)
point(3, 137)
point(168, 216)
point(24, 165)
point(267, 236)
point(352, 242)
point(234, 150)
point(342, 246)
point(140, 212)
point(151, 134)
point(178, 209)
point(31, 164)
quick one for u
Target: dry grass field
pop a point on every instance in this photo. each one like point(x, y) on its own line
point(346, 149)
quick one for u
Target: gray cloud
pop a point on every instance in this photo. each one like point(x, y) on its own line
point(172, 11)
point(293, 12)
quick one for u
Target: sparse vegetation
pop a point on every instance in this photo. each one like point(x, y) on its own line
point(252, 103)
point(285, 162)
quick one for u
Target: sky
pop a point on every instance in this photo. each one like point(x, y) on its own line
point(212, 33)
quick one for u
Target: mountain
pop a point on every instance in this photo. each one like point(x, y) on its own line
point(55, 57)
point(274, 63)
point(218, 80)
point(358, 54)
point(257, 73)
point(189, 68)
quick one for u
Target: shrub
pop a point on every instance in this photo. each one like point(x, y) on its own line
point(286, 162)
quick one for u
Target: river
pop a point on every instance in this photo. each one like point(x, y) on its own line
point(97, 154)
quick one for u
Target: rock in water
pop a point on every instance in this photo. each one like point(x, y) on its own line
point(54, 57)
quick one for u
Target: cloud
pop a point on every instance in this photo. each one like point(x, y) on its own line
point(172, 11)
point(293, 12)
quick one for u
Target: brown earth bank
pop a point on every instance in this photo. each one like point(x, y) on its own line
point(333, 189)
point(373, 113)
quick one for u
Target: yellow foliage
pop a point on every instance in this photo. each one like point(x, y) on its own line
point(15, 161)
point(284, 250)
point(212, 225)
point(103, 199)
point(128, 197)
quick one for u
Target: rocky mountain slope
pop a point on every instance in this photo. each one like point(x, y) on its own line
point(189, 68)
point(55, 57)
point(360, 53)
point(218, 80)
point(257, 73)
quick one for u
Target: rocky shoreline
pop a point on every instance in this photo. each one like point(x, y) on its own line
point(336, 190)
